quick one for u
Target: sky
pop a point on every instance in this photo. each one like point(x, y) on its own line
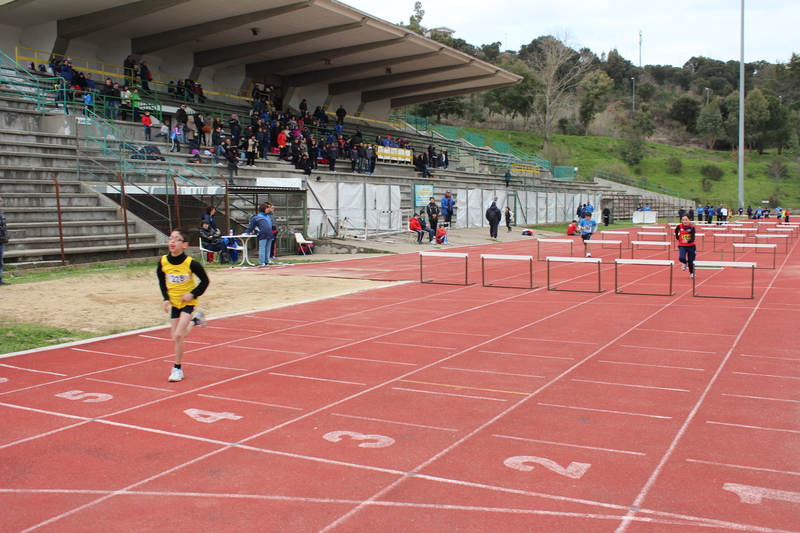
point(672, 32)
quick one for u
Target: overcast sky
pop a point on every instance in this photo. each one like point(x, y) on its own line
point(672, 32)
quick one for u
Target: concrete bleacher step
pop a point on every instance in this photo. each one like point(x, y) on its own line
point(31, 245)
point(87, 253)
point(29, 214)
point(25, 230)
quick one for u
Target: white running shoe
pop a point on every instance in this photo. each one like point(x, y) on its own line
point(683, 266)
point(588, 254)
point(176, 374)
point(200, 319)
point(691, 276)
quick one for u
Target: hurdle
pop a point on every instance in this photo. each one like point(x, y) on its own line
point(743, 246)
point(696, 235)
point(649, 262)
point(662, 234)
point(602, 244)
point(667, 245)
point(766, 237)
point(562, 241)
point(465, 257)
point(783, 231)
point(723, 236)
point(621, 233)
point(723, 264)
point(596, 260)
point(528, 258)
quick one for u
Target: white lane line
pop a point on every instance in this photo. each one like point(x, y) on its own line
point(371, 360)
point(413, 345)
point(316, 379)
point(570, 445)
point(769, 357)
point(551, 340)
point(654, 366)
point(629, 385)
point(450, 394)
point(765, 375)
point(752, 427)
point(268, 350)
point(393, 422)
point(312, 336)
point(529, 355)
point(170, 340)
point(454, 333)
point(32, 370)
point(44, 412)
point(666, 349)
point(107, 353)
point(249, 401)
point(603, 410)
point(213, 366)
point(275, 318)
point(760, 398)
point(237, 330)
point(492, 372)
point(745, 467)
point(128, 384)
point(360, 326)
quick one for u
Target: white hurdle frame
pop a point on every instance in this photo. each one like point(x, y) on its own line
point(528, 258)
point(450, 255)
point(666, 244)
point(662, 234)
point(723, 264)
point(563, 241)
point(596, 260)
point(774, 248)
point(766, 237)
point(650, 262)
point(612, 232)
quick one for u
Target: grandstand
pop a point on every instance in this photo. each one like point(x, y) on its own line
point(77, 189)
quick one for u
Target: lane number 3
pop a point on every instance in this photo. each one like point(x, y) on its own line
point(379, 441)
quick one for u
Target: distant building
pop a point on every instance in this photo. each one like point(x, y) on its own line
point(442, 30)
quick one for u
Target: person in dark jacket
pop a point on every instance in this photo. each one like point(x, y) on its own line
point(212, 242)
point(494, 216)
point(607, 215)
point(433, 213)
point(144, 75)
point(340, 114)
point(448, 207)
point(332, 155)
point(262, 222)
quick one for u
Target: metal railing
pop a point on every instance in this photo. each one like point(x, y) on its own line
point(639, 184)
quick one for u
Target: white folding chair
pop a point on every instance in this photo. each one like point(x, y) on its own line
point(301, 241)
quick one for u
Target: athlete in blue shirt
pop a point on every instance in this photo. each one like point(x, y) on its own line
point(587, 227)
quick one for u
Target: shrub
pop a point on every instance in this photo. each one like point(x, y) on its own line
point(675, 165)
point(712, 172)
point(706, 184)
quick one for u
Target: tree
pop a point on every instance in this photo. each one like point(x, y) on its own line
point(778, 129)
point(756, 115)
point(619, 69)
point(710, 124)
point(732, 122)
point(685, 110)
point(415, 20)
point(556, 70)
point(594, 86)
point(514, 100)
point(447, 106)
point(646, 91)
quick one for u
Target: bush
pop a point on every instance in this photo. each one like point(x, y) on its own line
point(712, 172)
point(675, 165)
point(706, 184)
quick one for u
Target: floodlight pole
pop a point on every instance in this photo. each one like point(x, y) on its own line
point(741, 111)
point(633, 93)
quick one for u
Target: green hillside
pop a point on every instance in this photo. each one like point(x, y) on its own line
point(590, 153)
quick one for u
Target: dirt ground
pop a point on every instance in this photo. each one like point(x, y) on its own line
point(103, 302)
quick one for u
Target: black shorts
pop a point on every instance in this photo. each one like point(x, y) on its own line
point(177, 312)
point(586, 236)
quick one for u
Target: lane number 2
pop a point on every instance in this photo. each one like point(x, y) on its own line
point(379, 441)
point(85, 397)
point(573, 471)
point(754, 495)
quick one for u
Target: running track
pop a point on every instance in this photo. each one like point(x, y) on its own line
point(426, 407)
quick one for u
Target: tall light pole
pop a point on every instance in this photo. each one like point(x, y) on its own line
point(706, 95)
point(633, 93)
point(741, 111)
point(640, 48)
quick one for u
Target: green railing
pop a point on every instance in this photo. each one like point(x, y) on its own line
point(448, 132)
point(25, 84)
point(501, 147)
point(564, 173)
point(639, 184)
point(475, 139)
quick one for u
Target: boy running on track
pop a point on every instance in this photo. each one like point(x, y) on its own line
point(587, 226)
point(687, 249)
point(180, 294)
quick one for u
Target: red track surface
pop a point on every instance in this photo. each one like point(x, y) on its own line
point(427, 407)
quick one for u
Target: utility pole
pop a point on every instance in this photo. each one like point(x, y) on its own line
point(640, 48)
point(741, 112)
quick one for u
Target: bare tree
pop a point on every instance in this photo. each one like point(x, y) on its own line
point(556, 70)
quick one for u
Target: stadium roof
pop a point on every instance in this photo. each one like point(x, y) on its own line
point(301, 43)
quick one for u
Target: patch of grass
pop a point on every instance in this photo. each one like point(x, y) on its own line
point(33, 276)
point(15, 337)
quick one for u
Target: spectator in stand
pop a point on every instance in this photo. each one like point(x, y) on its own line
point(232, 155)
point(135, 98)
point(193, 134)
point(321, 116)
point(372, 159)
point(303, 107)
point(353, 158)
point(340, 114)
point(332, 154)
point(147, 122)
point(125, 102)
point(218, 141)
point(264, 138)
point(3, 241)
point(416, 227)
point(430, 231)
point(145, 76)
point(201, 134)
point(432, 211)
point(90, 86)
point(235, 129)
point(448, 207)
point(128, 72)
point(507, 177)
point(171, 88)
point(445, 158)
point(250, 151)
point(213, 242)
point(180, 90)
point(175, 138)
point(182, 119)
point(362, 157)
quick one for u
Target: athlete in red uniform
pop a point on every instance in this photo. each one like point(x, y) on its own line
point(687, 249)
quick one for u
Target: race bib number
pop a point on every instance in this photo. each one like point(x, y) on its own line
point(686, 237)
point(178, 278)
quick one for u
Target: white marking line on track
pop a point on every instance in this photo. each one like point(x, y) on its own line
point(268, 350)
point(275, 318)
point(655, 366)
point(47, 433)
point(603, 410)
point(213, 366)
point(316, 379)
point(745, 467)
point(629, 385)
point(128, 384)
point(768, 357)
point(393, 422)
point(570, 445)
point(371, 360)
point(32, 370)
point(238, 329)
point(551, 340)
point(170, 340)
point(667, 349)
point(492, 372)
point(413, 345)
point(760, 398)
point(451, 394)
point(751, 427)
point(107, 353)
point(360, 326)
point(250, 401)
point(765, 375)
point(456, 333)
point(312, 336)
point(529, 355)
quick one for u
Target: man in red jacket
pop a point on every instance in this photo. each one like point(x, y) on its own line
point(416, 227)
point(147, 122)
